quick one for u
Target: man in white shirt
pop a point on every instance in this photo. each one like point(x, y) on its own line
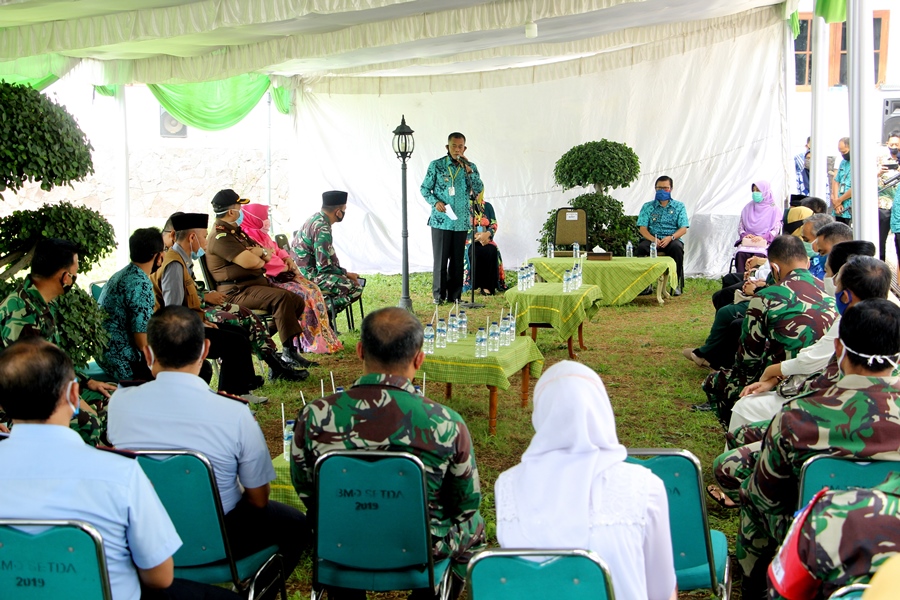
point(50, 473)
point(177, 410)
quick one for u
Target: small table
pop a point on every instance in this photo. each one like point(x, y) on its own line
point(546, 305)
point(282, 489)
point(621, 279)
point(457, 364)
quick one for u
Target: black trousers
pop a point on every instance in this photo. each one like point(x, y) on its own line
point(675, 251)
point(250, 529)
point(449, 250)
point(884, 228)
point(486, 273)
point(231, 344)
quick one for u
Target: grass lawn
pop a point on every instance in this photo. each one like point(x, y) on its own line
point(636, 349)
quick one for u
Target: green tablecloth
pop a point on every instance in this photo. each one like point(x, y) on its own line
point(457, 364)
point(282, 490)
point(620, 279)
point(546, 303)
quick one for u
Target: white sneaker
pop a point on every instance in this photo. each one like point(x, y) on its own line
point(253, 399)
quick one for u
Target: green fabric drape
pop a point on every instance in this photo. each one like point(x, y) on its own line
point(833, 11)
point(212, 105)
point(283, 98)
point(795, 24)
point(38, 83)
point(106, 90)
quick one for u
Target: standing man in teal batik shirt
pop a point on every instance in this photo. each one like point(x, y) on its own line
point(450, 184)
point(664, 221)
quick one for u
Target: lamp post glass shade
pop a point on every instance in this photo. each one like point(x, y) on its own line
point(403, 148)
point(404, 144)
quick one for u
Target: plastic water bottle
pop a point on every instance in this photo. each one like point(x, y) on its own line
point(629, 250)
point(551, 250)
point(505, 332)
point(567, 281)
point(494, 337)
point(532, 272)
point(428, 342)
point(480, 343)
point(520, 277)
point(463, 325)
point(652, 249)
point(441, 334)
point(453, 329)
point(578, 278)
point(288, 438)
point(576, 250)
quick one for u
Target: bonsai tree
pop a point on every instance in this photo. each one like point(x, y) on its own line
point(604, 165)
point(79, 318)
point(39, 141)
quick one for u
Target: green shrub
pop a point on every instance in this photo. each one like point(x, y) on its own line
point(603, 164)
point(39, 141)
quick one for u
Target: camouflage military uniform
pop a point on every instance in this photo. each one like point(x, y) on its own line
point(858, 416)
point(25, 314)
point(240, 316)
point(836, 543)
point(781, 320)
point(314, 254)
point(384, 412)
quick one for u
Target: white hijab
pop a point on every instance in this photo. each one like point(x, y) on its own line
point(575, 440)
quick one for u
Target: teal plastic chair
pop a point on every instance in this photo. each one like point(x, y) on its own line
point(96, 288)
point(850, 592)
point(566, 574)
point(701, 553)
point(74, 548)
point(186, 485)
point(841, 473)
point(371, 524)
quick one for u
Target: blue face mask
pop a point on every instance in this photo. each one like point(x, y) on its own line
point(841, 305)
point(757, 197)
point(196, 255)
point(77, 407)
point(240, 218)
point(663, 195)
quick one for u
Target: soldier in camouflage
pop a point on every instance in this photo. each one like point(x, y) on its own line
point(29, 312)
point(315, 256)
point(859, 278)
point(845, 538)
point(859, 417)
point(781, 320)
point(384, 412)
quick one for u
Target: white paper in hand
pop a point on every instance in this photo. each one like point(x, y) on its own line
point(449, 212)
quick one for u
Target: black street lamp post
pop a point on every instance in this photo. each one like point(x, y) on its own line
point(403, 148)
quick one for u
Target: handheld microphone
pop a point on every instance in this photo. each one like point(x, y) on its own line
point(462, 159)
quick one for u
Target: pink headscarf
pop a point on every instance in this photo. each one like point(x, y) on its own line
point(254, 216)
point(761, 218)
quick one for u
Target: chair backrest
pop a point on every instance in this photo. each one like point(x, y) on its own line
point(207, 274)
point(841, 473)
point(282, 242)
point(96, 288)
point(372, 511)
point(682, 475)
point(571, 227)
point(515, 575)
point(186, 485)
point(52, 559)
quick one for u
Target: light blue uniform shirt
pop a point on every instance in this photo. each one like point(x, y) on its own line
point(50, 473)
point(179, 411)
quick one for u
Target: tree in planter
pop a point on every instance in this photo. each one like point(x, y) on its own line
point(79, 318)
point(604, 165)
point(39, 141)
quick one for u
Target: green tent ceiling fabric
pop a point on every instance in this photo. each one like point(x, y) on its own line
point(106, 90)
point(212, 105)
point(38, 83)
point(833, 11)
point(283, 98)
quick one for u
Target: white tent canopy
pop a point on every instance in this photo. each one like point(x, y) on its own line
point(696, 87)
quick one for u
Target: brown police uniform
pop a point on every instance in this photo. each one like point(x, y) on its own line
point(249, 287)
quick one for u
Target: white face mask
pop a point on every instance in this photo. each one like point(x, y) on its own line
point(830, 288)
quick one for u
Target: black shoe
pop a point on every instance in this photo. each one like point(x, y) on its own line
point(705, 407)
point(257, 382)
point(647, 291)
point(677, 292)
point(288, 374)
point(291, 353)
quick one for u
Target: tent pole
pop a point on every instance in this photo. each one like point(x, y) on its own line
point(818, 173)
point(862, 144)
point(269, 165)
point(124, 186)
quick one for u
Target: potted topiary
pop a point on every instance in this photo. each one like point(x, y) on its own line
point(604, 165)
point(41, 142)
